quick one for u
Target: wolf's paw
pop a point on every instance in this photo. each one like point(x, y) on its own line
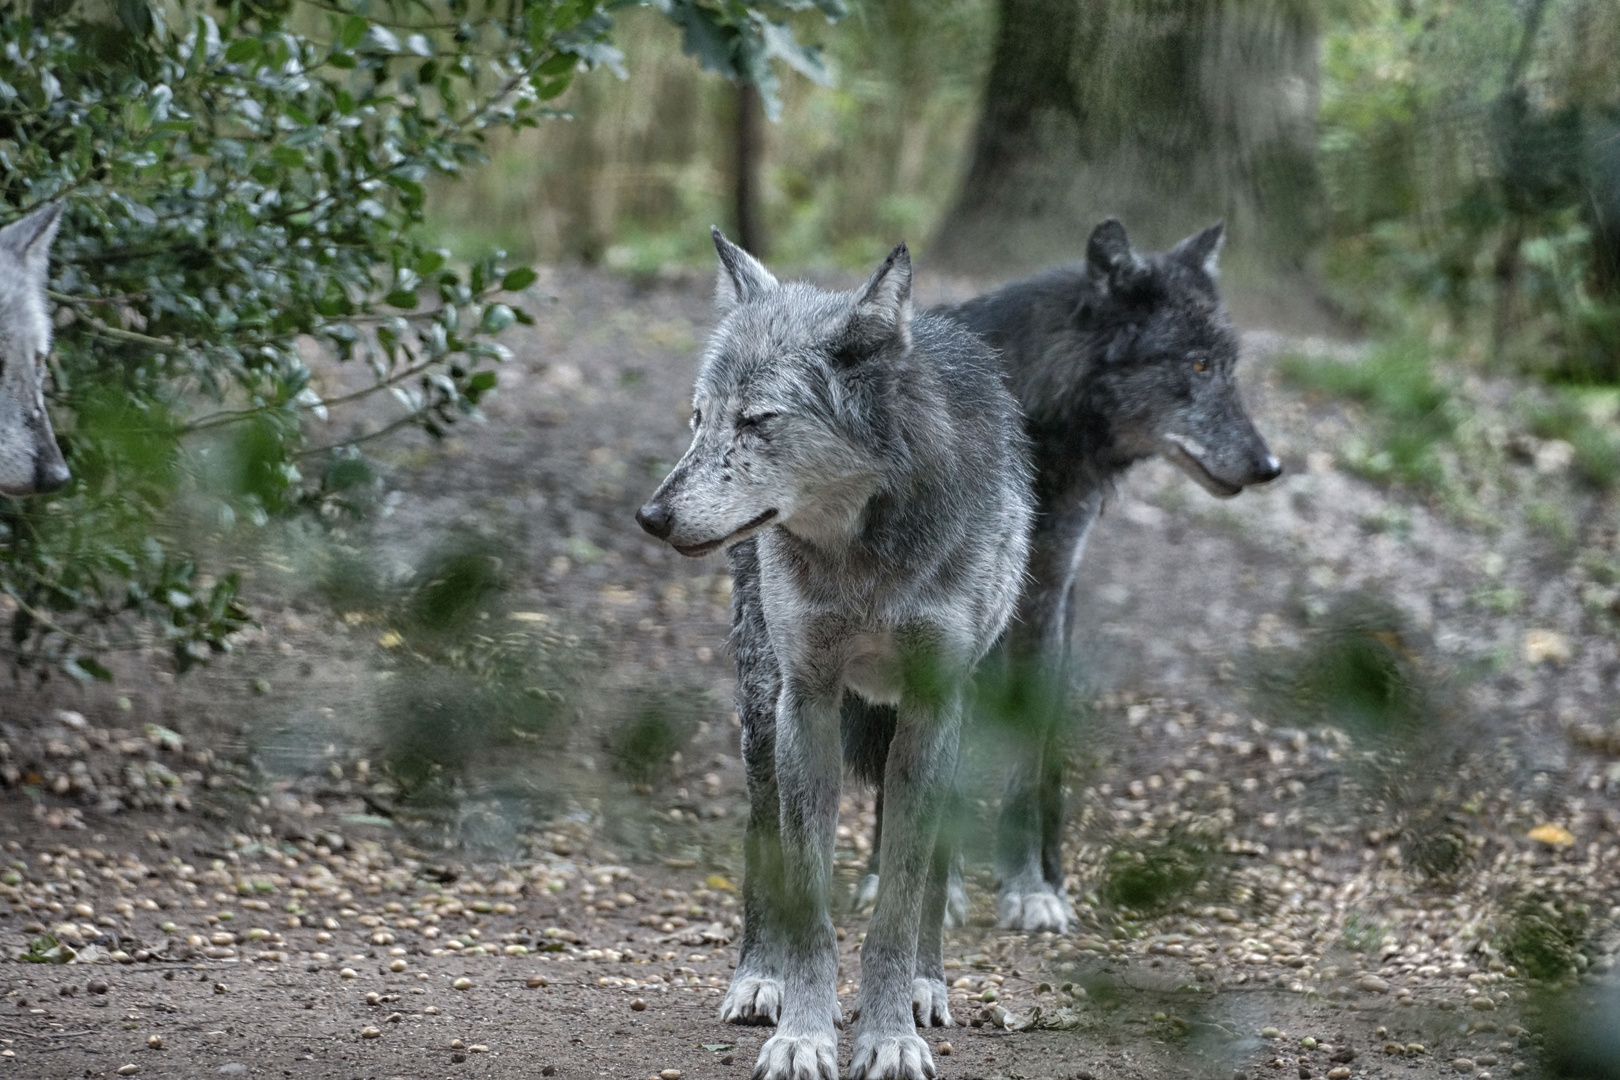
point(1033, 910)
point(752, 999)
point(928, 1004)
point(798, 1057)
point(863, 898)
point(956, 901)
point(890, 1057)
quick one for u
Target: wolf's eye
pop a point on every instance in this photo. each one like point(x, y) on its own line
point(697, 419)
point(1200, 365)
point(748, 422)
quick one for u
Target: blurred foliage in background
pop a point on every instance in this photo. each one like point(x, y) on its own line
point(645, 165)
point(244, 184)
point(250, 185)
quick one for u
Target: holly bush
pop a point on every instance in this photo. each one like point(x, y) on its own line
point(244, 185)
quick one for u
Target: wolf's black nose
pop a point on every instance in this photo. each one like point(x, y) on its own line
point(51, 477)
point(1270, 469)
point(656, 518)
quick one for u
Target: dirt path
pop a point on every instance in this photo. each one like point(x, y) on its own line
point(1245, 881)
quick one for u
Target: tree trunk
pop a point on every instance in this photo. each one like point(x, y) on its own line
point(750, 236)
point(1164, 113)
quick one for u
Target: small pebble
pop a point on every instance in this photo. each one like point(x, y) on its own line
point(638, 1005)
point(477, 1048)
point(128, 1070)
point(96, 986)
point(1269, 1033)
point(549, 1070)
point(155, 1042)
point(536, 981)
point(221, 988)
point(457, 1044)
point(369, 1032)
point(462, 983)
point(1373, 984)
point(1484, 1004)
point(669, 1074)
point(348, 973)
point(1339, 1072)
point(1463, 1065)
point(395, 1018)
point(1308, 1043)
point(398, 965)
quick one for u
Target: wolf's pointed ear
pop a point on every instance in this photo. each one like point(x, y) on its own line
point(29, 239)
point(1201, 250)
point(742, 277)
point(1110, 254)
point(883, 306)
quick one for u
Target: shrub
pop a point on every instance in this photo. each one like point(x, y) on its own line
point(243, 186)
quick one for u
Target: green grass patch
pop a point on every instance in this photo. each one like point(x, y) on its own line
point(1359, 670)
point(1412, 411)
point(1544, 937)
point(1589, 420)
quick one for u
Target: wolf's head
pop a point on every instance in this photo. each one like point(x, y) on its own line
point(778, 432)
point(30, 461)
point(1167, 374)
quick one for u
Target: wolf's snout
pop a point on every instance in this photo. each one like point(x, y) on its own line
point(1270, 468)
point(51, 476)
point(657, 519)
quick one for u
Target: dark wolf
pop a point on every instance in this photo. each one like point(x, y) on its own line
point(30, 460)
point(875, 462)
point(1114, 359)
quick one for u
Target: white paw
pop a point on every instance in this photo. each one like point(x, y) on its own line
point(864, 896)
point(752, 999)
point(928, 1004)
point(956, 901)
point(1034, 910)
point(890, 1057)
point(798, 1057)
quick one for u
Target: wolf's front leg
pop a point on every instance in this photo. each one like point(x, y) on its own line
point(922, 761)
point(755, 995)
point(928, 993)
point(808, 774)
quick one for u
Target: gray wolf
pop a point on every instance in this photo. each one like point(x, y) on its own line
point(876, 463)
point(30, 460)
point(1114, 359)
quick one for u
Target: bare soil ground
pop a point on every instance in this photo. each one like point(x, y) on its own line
point(246, 888)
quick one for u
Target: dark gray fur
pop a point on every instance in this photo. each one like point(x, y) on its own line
point(30, 461)
point(1103, 356)
point(867, 471)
